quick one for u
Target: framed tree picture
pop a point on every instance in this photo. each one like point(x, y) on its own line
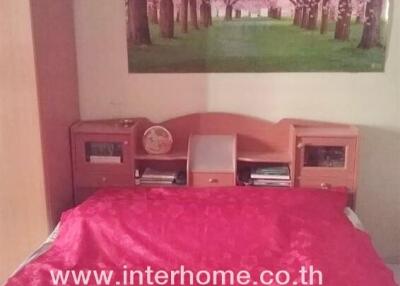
point(179, 36)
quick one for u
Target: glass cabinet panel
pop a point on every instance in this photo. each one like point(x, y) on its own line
point(103, 152)
point(324, 156)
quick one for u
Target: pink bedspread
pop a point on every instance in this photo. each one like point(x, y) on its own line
point(212, 229)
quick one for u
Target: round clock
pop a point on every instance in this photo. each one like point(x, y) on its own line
point(157, 140)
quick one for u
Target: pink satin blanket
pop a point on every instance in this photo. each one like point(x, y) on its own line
point(214, 228)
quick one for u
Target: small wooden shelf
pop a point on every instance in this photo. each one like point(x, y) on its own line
point(175, 155)
point(263, 157)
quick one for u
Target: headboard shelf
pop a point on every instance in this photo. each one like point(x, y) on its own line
point(310, 149)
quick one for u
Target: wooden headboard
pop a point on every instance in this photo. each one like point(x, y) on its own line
point(257, 142)
point(254, 135)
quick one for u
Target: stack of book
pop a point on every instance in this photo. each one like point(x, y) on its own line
point(273, 176)
point(157, 177)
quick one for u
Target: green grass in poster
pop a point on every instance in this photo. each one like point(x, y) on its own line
point(254, 45)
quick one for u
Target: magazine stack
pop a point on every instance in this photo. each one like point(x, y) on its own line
point(272, 176)
point(156, 177)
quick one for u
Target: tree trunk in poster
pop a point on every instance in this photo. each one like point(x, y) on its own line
point(275, 13)
point(167, 18)
point(228, 12)
point(209, 14)
point(360, 11)
point(371, 32)
point(178, 15)
point(184, 16)
point(332, 13)
point(193, 14)
point(130, 26)
point(298, 13)
point(304, 15)
point(140, 32)
point(342, 31)
point(313, 16)
point(238, 13)
point(203, 14)
point(153, 12)
point(325, 16)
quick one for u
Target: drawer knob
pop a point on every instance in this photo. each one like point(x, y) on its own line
point(104, 179)
point(213, 180)
point(325, 186)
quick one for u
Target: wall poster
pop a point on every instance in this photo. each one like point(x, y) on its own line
point(210, 36)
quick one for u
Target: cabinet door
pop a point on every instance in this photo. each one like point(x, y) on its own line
point(320, 156)
point(103, 153)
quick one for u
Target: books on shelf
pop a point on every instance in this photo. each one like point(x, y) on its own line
point(104, 152)
point(154, 182)
point(271, 177)
point(268, 175)
point(105, 159)
point(157, 177)
point(271, 183)
point(271, 173)
point(153, 174)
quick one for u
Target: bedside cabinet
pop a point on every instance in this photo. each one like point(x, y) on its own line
point(102, 153)
point(326, 158)
point(212, 160)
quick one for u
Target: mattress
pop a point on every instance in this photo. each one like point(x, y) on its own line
point(235, 228)
point(350, 214)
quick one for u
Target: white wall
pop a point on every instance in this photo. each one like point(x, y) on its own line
point(368, 100)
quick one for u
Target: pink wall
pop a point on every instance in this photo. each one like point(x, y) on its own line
point(57, 83)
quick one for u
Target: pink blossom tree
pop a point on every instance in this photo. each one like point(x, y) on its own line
point(306, 14)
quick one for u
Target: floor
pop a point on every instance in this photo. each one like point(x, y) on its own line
point(396, 270)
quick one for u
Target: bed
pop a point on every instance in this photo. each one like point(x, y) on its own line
point(257, 230)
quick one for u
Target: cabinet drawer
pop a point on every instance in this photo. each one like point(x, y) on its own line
point(97, 180)
point(325, 182)
point(200, 179)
